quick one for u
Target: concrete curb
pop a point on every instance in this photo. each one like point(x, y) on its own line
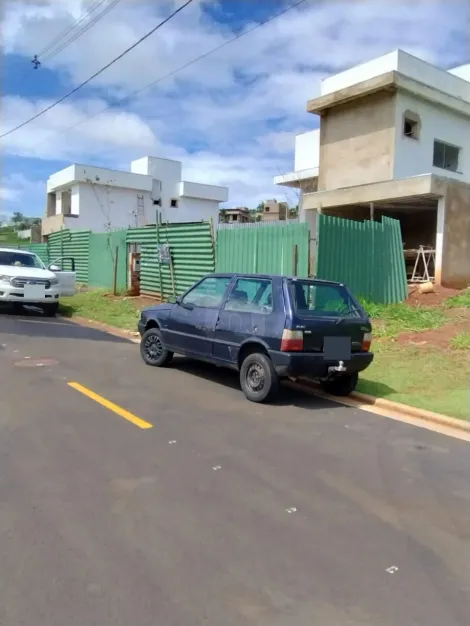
point(361, 398)
point(397, 407)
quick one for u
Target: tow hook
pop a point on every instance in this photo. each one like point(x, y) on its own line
point(337, 368)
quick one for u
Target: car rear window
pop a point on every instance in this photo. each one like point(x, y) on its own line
point(310, 298)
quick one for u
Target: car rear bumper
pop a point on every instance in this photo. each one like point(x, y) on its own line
point(314, 365)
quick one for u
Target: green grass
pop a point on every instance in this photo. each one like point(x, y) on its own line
point(461, 341)
point(392, 319)
point(428, 379)
point(98, 306)
point(462, 300)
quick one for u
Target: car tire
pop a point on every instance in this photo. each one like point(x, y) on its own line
point(153, 350)
point(258, 378)
point(343, 385)
point(50, 310)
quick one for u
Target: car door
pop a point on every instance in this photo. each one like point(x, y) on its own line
point(249, 312)
point(67, 278)
point(192, 321)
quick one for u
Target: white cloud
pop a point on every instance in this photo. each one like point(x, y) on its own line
point(231, 117)
point(22, 194)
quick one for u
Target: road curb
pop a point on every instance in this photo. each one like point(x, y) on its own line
point(371, 401)
point(397, 407)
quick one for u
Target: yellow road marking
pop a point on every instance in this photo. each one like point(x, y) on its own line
point(127, 415)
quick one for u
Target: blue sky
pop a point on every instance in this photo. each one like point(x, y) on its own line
point(230, 118)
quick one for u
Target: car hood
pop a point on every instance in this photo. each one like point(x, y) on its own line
point(156, 308)
point(26, 272)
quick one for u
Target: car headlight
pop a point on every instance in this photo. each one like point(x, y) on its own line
point(54, 281)
point(4, 278)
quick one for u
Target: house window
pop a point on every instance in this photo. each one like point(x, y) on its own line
point(266, 209)
point(446, 156)
point(234, 218)
point(157, 202)
point(174, 203)
point(411, 125)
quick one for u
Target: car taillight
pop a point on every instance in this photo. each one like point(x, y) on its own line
point(292, 340)
point(366, 341)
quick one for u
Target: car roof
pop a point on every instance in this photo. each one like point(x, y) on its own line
point(17, 250)
point(284, 276)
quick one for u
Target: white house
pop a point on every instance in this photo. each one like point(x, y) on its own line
point(99, 199)
point(394, 139)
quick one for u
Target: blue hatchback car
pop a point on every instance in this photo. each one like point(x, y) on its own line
point(265, 327)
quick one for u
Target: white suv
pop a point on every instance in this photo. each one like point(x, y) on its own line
point(25, 280)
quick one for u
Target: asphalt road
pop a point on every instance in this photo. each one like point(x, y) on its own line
point(224, 513)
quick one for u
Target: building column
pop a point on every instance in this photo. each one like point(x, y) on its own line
point(441, 213)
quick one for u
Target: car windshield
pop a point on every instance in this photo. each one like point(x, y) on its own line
point(20, 259)
point(310, 298)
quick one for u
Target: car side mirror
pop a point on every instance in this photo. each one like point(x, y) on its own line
point(179, 300)
point(54, 268)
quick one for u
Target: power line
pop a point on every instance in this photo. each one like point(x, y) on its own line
point(81, 31)
point(173, 72)
point(71, 28)
point(150, 32)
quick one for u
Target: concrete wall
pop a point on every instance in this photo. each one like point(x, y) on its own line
point(307, 150)
point(415, 156)
point(193, 210)
point(456, 240)
point(357, 142)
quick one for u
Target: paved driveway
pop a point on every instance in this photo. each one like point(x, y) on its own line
point(222, 513)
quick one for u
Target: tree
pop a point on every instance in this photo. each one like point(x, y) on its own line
point(223, 217)
point(17, 219)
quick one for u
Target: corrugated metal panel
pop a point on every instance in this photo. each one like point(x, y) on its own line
point(263, 248)
point(56, 243)
point(75, 244)
point(41, 250)
point(102, 260)
point(366, 256)
point(192, 251)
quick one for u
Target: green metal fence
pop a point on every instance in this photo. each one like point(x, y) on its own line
point(367, 256)
point(271, 248)
point(192, 253)
point(108, 252)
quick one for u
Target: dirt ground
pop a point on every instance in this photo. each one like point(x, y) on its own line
point(429, 299)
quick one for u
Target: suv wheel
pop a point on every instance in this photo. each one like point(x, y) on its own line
point(258, 378)
point(152, 348)
point(50, 310)
point(343, 385)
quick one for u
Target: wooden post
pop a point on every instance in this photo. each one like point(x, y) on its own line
point(159, 265)
point(371, 207)
point(172, 274)
point(116, 256)
point(296, 258)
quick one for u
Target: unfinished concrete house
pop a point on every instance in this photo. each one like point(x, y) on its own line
point(394, 140)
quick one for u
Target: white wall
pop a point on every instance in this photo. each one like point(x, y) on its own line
point(85, 173)
point(414, 157)
point(101, 205)
point(307, 150)
point(193, 210)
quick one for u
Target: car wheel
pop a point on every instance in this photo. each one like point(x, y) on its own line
point(152, 348)
point(50, 310)
point(343, 385)
point(258, 378)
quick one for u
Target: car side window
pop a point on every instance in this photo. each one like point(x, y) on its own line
point(251, 295)
point(209, 293)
